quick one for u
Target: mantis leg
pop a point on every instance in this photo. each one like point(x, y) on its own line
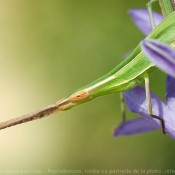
point(122, 102)
point(149, 7)
point(151, 18)
point(149, 104)
point(147, 87)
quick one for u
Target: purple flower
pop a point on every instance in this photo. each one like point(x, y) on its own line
point(161, 54)
point(136, 102)
point(141, 19)
point(136, 98)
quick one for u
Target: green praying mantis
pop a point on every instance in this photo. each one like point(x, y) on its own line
point(125, 76)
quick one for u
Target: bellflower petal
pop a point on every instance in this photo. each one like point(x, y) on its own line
point(170, 101)
point(170, 93)
point(136, 102)
point(161, 54)
point(135, 126)
point(137, 95)
point(141, 19)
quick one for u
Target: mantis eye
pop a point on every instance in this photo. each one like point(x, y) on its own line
point(79, 96)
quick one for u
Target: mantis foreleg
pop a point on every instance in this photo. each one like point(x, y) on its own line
point(122, 102)
point(149, 104)
point(147, 87)
point(150, 13)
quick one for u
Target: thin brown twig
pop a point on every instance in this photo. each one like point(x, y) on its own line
point(32, 116)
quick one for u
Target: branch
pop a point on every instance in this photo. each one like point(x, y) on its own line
point(46, 111)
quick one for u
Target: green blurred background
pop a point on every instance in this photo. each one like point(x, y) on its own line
point(49, 48)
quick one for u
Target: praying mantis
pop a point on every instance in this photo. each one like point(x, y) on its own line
point(125, 76)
